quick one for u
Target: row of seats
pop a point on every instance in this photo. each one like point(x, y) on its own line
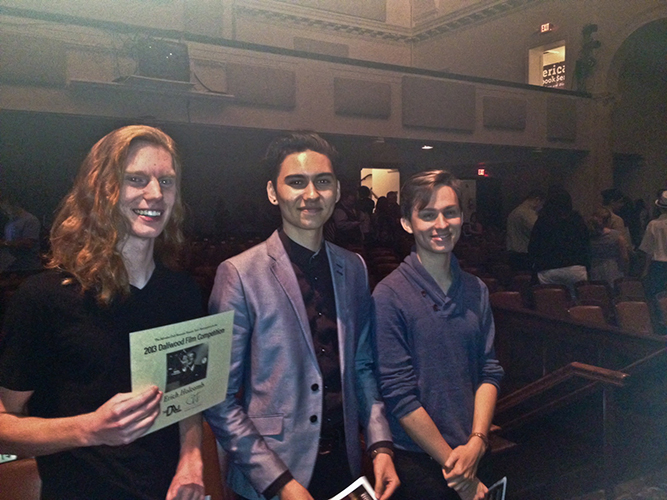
point(379, 261)
point(595, 303)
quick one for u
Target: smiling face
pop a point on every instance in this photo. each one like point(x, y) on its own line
point(306, 190)
point(437, 226)
point(148, 190)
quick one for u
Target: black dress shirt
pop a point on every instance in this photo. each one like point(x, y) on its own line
point(313, 274)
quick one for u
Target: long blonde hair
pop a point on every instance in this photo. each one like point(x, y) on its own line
point(89, 225)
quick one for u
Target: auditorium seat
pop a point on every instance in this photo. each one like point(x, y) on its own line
point(383, 270)
point(661, 303)
point(384, 259)
point(521, 283)
point(473, 270)
point(358, 249)
point(588, 314)
point(503, 273)
point(634, 316)
point(19, 480)
point(554, 300)
point(508, 299)
point(474, 255)
point(378, 251)
point(491, 283)
point(629, 289)
point(596, 293)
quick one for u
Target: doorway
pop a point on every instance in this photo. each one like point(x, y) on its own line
point(381, 181)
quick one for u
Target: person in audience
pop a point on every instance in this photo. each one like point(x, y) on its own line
point(559, 246)
point(65, 361)
point(654, 246)
point(19, 247)
point(384, 230)
point(439, 374)
point(365, 203)
point(302, 379)
point(348, 221)
point(365, 206)
point(643, 217)
point(609, 253)
point(520, 223)
point(393, 208)
point(613, 200)
point(473, 228)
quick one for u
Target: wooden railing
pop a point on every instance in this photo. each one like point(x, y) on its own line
point(572, 383)
point(530, 345)
point(590, 376)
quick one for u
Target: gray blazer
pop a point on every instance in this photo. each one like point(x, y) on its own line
point(275, 426)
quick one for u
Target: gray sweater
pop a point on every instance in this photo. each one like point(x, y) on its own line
point(433, 349)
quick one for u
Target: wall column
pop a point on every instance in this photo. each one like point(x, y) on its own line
point(595, 171)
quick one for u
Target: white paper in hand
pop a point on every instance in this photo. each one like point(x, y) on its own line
point(359, 490)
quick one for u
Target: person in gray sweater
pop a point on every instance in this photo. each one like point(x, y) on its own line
point(434, 344)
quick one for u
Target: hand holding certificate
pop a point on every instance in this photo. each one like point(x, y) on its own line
point(188, 361)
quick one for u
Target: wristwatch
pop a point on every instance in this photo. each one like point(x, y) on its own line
point(382, 449)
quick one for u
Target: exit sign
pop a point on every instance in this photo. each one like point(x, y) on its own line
point(546, 27)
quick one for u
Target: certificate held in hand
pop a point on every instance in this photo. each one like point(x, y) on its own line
point(188, 362)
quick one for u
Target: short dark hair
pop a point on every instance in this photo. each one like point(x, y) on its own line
point(418, 190)
point(296, 142)
point(364, 192)
point(610, 195)
point(558, 202)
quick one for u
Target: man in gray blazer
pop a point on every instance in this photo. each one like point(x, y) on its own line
point(302, 379)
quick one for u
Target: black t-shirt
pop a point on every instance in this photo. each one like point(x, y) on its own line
point(74, 355)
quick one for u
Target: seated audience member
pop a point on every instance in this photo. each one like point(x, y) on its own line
point(65, 362)
point(348, 221)
point(559, 247)
point(301, 348)
point(520, 223)
point(19, 250)
point(609, 253)
point(654, 245)
point(434, 342)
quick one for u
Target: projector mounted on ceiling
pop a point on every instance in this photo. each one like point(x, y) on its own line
point(162, 59)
